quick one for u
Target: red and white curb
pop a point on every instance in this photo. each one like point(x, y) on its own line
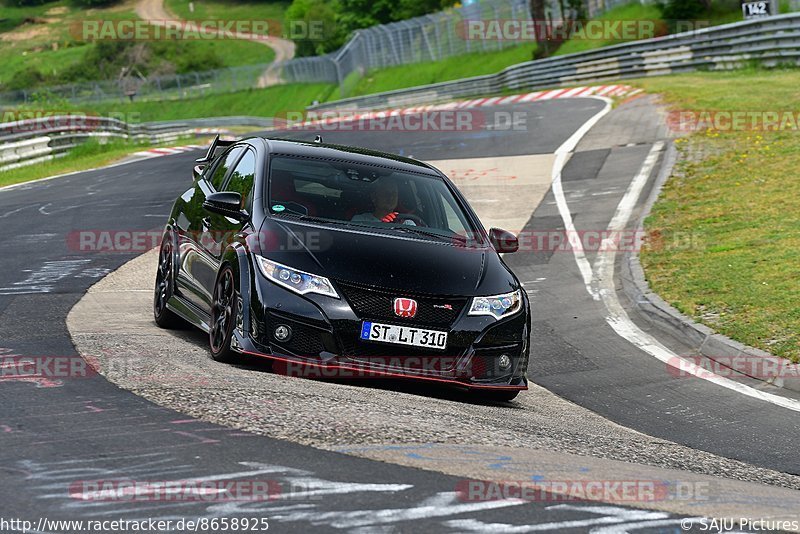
point(574, 92)
point(553, 94)
point(167, 151)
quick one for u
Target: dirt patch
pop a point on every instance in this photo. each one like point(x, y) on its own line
point(31, 28)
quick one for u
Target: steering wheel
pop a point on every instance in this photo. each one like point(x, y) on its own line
point(417, 220)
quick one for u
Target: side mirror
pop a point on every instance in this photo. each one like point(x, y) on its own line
point(503, 241)
point(226, 203)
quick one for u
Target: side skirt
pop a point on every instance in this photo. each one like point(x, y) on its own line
point(189, 312)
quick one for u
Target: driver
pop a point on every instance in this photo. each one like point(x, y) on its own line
point(384, 198)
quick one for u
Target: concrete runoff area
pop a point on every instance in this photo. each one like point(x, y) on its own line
point(504, 190)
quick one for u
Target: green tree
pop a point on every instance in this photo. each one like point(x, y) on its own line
point(313, 26)
point(406, 9)
point(24, 79)
point(684, 9)
point(340, 18)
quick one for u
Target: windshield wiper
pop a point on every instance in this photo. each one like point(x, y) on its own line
point(302, 216)
point(420, 231)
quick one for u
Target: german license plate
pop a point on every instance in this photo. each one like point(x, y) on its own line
point(403, 335)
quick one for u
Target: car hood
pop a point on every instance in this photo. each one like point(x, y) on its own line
point(397, 261)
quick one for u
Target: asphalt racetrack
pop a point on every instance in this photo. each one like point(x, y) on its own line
point(57, 435)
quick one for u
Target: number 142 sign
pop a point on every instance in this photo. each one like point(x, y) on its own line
point(752, 10)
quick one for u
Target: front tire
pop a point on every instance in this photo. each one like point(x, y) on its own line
point(224, 311)
point(165, 288)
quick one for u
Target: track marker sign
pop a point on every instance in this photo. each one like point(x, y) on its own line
point(761, 8)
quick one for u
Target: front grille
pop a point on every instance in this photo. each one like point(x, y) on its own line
point(371, 303)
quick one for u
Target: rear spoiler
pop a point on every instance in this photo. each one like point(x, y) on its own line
point(216, 143)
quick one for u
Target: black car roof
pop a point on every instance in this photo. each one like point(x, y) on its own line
point(347, 153)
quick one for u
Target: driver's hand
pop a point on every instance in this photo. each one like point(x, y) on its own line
point(390, 218)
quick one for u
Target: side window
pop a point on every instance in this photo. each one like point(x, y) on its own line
point(222, 168)
point(242, 177)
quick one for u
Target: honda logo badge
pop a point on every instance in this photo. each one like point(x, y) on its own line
point(405, 307)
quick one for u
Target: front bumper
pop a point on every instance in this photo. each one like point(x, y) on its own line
point(325, 344)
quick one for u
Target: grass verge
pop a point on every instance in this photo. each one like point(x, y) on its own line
point(451, 68)
point(86, 156)
point(267, 102)
point(724, 246)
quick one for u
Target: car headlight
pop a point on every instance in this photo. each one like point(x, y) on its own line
point(498, 306)
point(296, 280)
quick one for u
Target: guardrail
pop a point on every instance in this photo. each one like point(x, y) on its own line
point(31, 141)
point(768, 42)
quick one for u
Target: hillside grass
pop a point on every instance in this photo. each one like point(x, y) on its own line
point(451, 68)
point(230, 10)
point(267, 102)
point(634, 11)
point(50, 43)
point(44, 42)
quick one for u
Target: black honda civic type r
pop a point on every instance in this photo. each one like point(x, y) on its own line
point(334, 261)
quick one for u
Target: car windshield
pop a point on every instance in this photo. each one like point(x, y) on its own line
point(356, 194)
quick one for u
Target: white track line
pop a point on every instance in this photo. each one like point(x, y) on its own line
point(562, 154)
point(600, 282)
